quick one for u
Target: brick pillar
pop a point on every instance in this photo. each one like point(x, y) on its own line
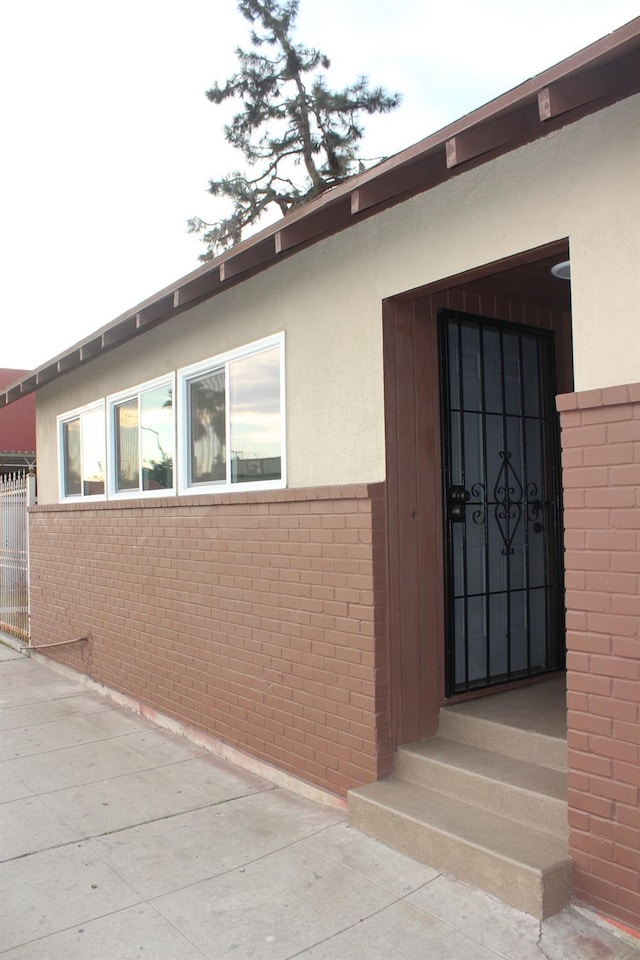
point(601, 481)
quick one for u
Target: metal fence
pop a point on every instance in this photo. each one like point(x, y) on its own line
point(17, 493)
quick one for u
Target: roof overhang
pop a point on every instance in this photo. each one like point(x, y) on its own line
point(600, 74)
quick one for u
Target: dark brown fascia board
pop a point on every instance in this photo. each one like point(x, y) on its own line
point(593, 77)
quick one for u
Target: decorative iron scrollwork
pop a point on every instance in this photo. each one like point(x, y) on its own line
point(479, 515)
point(508, 493)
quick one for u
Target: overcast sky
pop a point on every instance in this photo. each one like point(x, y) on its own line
point(108, 141)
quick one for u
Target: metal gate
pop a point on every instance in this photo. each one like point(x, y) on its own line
point(17, 493)
point(500, 452)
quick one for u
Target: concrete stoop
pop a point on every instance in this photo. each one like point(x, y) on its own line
point(483, 801)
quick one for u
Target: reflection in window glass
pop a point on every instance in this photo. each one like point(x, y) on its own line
point(254, 414)
point(145, 440)
point(83, 453)
point(126, 432)
point(93, 453)
point(72, 458)
point(207, 428)
point(157, 438)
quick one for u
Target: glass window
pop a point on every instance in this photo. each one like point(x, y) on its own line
point(128, 459)
point(72, 458)
point(143, 440)
point(234, 430)
point(254, 417)
point(157, 438)
point(82, 442)
point(207, 419)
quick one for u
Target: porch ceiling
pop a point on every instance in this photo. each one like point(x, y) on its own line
point(532, 281)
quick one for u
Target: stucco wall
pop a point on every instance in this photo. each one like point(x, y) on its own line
point(581, 182)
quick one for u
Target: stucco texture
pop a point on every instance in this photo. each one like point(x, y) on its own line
point(581, 183)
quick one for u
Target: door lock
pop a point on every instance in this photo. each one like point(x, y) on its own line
point(458, 497)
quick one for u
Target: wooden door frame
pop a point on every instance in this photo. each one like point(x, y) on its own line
point(415, 551)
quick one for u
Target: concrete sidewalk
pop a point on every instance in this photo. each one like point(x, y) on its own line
point(119, 840)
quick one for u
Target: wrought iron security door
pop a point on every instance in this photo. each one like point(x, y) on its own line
point(504, 619)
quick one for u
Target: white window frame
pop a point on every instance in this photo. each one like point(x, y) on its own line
point(196, 370)
point(123, 396)
point(61, 420)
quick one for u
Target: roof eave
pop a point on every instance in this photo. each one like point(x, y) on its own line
point(606, 71)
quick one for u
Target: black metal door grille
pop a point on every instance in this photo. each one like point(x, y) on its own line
point(503, 573)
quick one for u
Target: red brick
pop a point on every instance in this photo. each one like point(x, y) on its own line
point(585, 721)
point(615, 667)
point(588, 398)
point(626, 562)
point(627, 689)
point(610, 497)
point(624, 431)
point(588, 683)
point(616, 749)
point(630, 816)
point(593, 846)
point(582, 560)
point(587, 643)
point(618, 396)
point(578, 820)
point(611, 625)
point(616, 874)
point(612, 453)
point(627, 907)
point(589, 763)
point(585, 436)
point(622, 792)
point(593, 886)
point(206, 622)
point(586, 477)
point(588, 600)
point(612, 582)
point(617, 709)
point(614, 540)
point(566, 402)
point(607, 415)
point(627, 605)
point(588, 803)
point(624, 475)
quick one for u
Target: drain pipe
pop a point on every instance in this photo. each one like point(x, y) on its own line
point(58, 643)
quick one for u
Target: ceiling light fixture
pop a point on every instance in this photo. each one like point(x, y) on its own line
point(562, 270)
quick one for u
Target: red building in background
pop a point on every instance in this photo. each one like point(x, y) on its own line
point(17, 428)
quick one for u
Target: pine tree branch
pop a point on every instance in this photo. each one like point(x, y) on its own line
point(289, 117)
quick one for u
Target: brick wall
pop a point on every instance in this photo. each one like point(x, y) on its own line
point(259, 618)
point(601, 480)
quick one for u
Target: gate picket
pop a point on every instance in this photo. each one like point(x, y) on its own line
point(14, 553)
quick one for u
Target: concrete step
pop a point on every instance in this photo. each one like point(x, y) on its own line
point(500, 737)
point(513, 788)
point(525, 867)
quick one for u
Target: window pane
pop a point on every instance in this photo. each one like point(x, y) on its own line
point(207, 428)
point(71, 454)
point(126, 425)
point(93, 453)
point(157, 438)
point(254, 399)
